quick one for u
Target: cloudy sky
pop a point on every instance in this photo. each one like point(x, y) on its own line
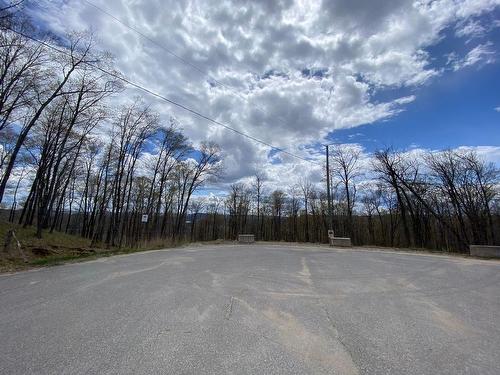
point(297, 74)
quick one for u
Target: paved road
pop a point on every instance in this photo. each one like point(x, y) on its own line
point(261, 309)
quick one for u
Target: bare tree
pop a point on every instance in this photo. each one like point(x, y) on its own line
point(345, 167)
point(277, 201)
point(53, 83)
point(191, 174)
point(306, 188)
point(258, 187)
point(134, 125)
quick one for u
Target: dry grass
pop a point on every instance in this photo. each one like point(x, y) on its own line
point(57, 248)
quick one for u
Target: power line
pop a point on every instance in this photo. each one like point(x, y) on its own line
point(180, 58)
point(185, 61)
point(159, 96)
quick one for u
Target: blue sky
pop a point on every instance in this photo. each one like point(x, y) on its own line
point(456, 110)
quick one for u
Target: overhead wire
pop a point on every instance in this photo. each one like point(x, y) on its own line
point(180, 58)
point(162, 97)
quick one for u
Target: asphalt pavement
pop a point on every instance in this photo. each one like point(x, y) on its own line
point(254, 309)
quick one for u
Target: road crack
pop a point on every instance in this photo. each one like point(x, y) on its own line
point(336, 334)
point(229, 308)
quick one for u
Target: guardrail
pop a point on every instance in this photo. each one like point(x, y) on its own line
point(246, 238)
point(340, 241)
point(485, 251)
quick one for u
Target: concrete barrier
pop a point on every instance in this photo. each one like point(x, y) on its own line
point(485, 251)
point(340, 241)
point(246, 238)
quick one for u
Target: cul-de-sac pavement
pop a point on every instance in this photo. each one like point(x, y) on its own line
point(254, 309)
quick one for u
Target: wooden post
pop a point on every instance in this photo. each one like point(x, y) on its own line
point(8, 239)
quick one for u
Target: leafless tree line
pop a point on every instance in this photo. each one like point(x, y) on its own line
point(92, 167)
point(438, 200)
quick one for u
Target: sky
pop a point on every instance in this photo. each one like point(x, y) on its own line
point(299, 73)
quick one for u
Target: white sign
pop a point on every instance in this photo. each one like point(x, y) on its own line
point(144, 218)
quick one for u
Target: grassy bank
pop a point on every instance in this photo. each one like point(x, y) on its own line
point(55, 248)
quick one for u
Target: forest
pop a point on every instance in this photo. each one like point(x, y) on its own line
point(73, 160)
point(78, 154)
point(443, 200)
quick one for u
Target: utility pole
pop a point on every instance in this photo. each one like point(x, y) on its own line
point(328, 196)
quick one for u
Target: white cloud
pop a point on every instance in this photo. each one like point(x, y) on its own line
point(481, 54)
point(471, 29)
point(490, 154)
point(353, 48)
